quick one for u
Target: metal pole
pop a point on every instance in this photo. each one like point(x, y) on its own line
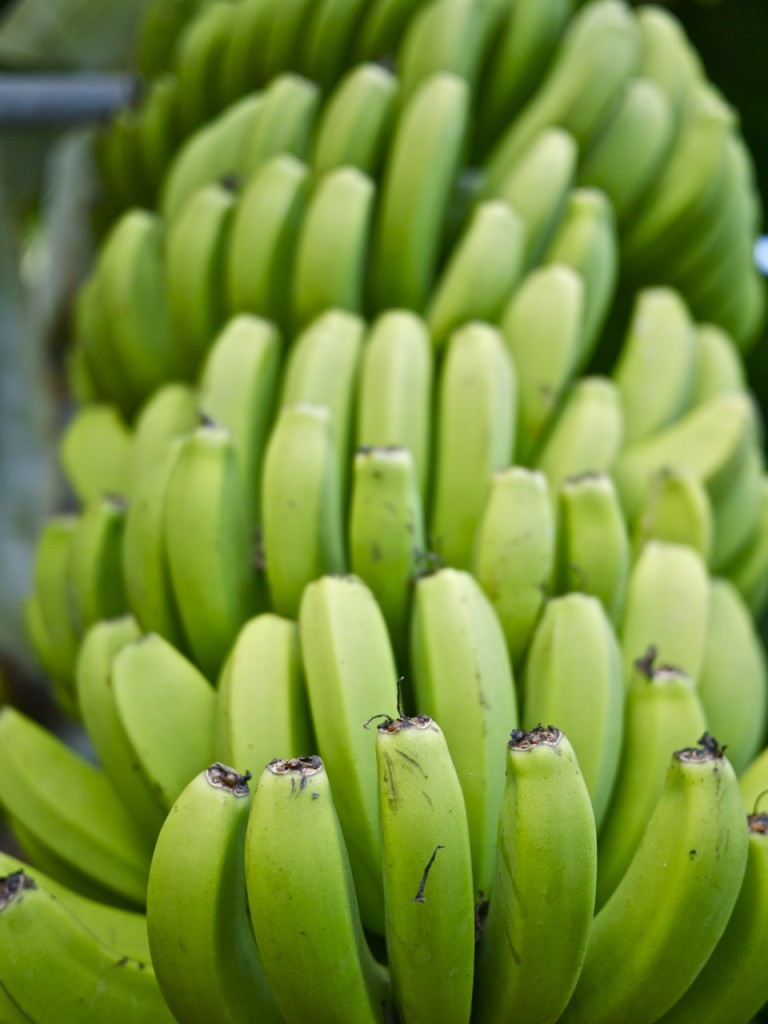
point(33, 101)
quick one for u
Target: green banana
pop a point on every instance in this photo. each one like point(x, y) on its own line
point(265, 227)
point(652, 938)
point(661, 706)
point(159, 694)
point(53, 967)
point(719, 366)
point(261, 701)
point(535, 936)
point(243, 64)
point(387, 544)
point(356, 120)
point(666, 607)
point(93, 350)
point(462, 677)
point(383, 25)
point(677, 510)
point(656, 367)
point(281, 40)
point(330, 32)
point(238, 385)
point(394, 405)
point(332, 247)
point(95, 452)
point(429, 904)
point(199, 59)
point(67, 803)
point(514, 552)
point(481, 271)
point(736, 514)
point(474, 435)
point(418, 179)
point(749, 571)
point(95, 568)
point(302, 527)
point(97, 701)
point(196, 247)
point(303, 903)
point(350, 671)
point(542, 326)
point(668, 57)
point(168, 413)
point(161, 26)
point(158, 129)
point(196, 894)
point(573, 675)
point(285, 123)
point(733, 686)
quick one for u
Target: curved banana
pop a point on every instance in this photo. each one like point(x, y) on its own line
point(68, 804)
point(95, 451)
point(652, 938)
point(168, 413)
point(514, 552)
point(199, 59)
point(208, 544)
point(474, 436)
point(668, 58)
point(285, 123)
point(203, 950)
point(462, 677)
point(92, 348)
point(481, 271)
point(418, 179)
point(351, 675)
point(593, 552)
point(159, 694)
point(301, 517)
point(98, 706)
point(677, 510)
point(542, 326)
point(196, 247)
point(261, 702)
point(262, 242)
point(387, 543)
point(54, 967)
point(537, 186)
point(666, 607)
point(656, 366)
point(332, 247)
point(573, 675)
point(429, 905)
point(158, 129)
point(384, 23)
point(750, 570)
point(303, 903)
point(719, 365)
point(394, 406)
point(356, 121)
point(535, 936)
point(330, 33)
point(95, 581)
point(243, 65)
point(661, 706)
point(238, 388)
point(281, 43)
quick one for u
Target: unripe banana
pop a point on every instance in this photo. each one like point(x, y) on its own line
point(53, 967)
point(199, 59)
point(429, 905)
point(666, 608)
point(593, 551)
point(733, 686)
point(262, 704)
point(395, 390)
point(474, 436)
point(749, 571)
point(417, 183)
point(587, 434)
point(537, 187)
point(50, 593)
point(542, 327)
point(330, 33)
point(676, 510)
point(243, 66)
point(196, 246)
point(383, 25)
point(535, 935)
point(99, 360)
point(481, 271)
point(285, 121)
point(265, 227)
point(303, 903)
point(69, 806)
point(238, 385)
point(719, 366)
point(95, 570)
point(203, 949)
point(514, 552)
point(209, 545)
point(332, 247)
point(158, 129)
point(653, 937)
point(159, 694)
point(356, 121)
point(302, 528)
point(350, 671)
point(668, 57)
point(656, 367)
point(169, 412)
point(737, 512)
point(573, 675)
point(281, 39)
point(462, 677)
point(96, 451)
point(587, 240)
point(732, 984)
point(661, 706)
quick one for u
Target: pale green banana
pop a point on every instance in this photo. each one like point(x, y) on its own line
point(676, 509)
point(750, 570)
point(169, 412)
point(95, 451)
point(285, 122)
point(95, 583)
point(719, 366)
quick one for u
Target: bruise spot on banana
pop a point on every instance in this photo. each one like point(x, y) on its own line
point(221, 776)
point(14, 886)
point(420, 897)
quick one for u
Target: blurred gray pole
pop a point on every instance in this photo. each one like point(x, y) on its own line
point(31, 101)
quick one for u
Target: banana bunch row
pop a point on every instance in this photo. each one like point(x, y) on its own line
point(378, 190)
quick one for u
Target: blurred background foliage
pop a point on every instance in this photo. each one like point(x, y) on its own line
point(46, 190)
